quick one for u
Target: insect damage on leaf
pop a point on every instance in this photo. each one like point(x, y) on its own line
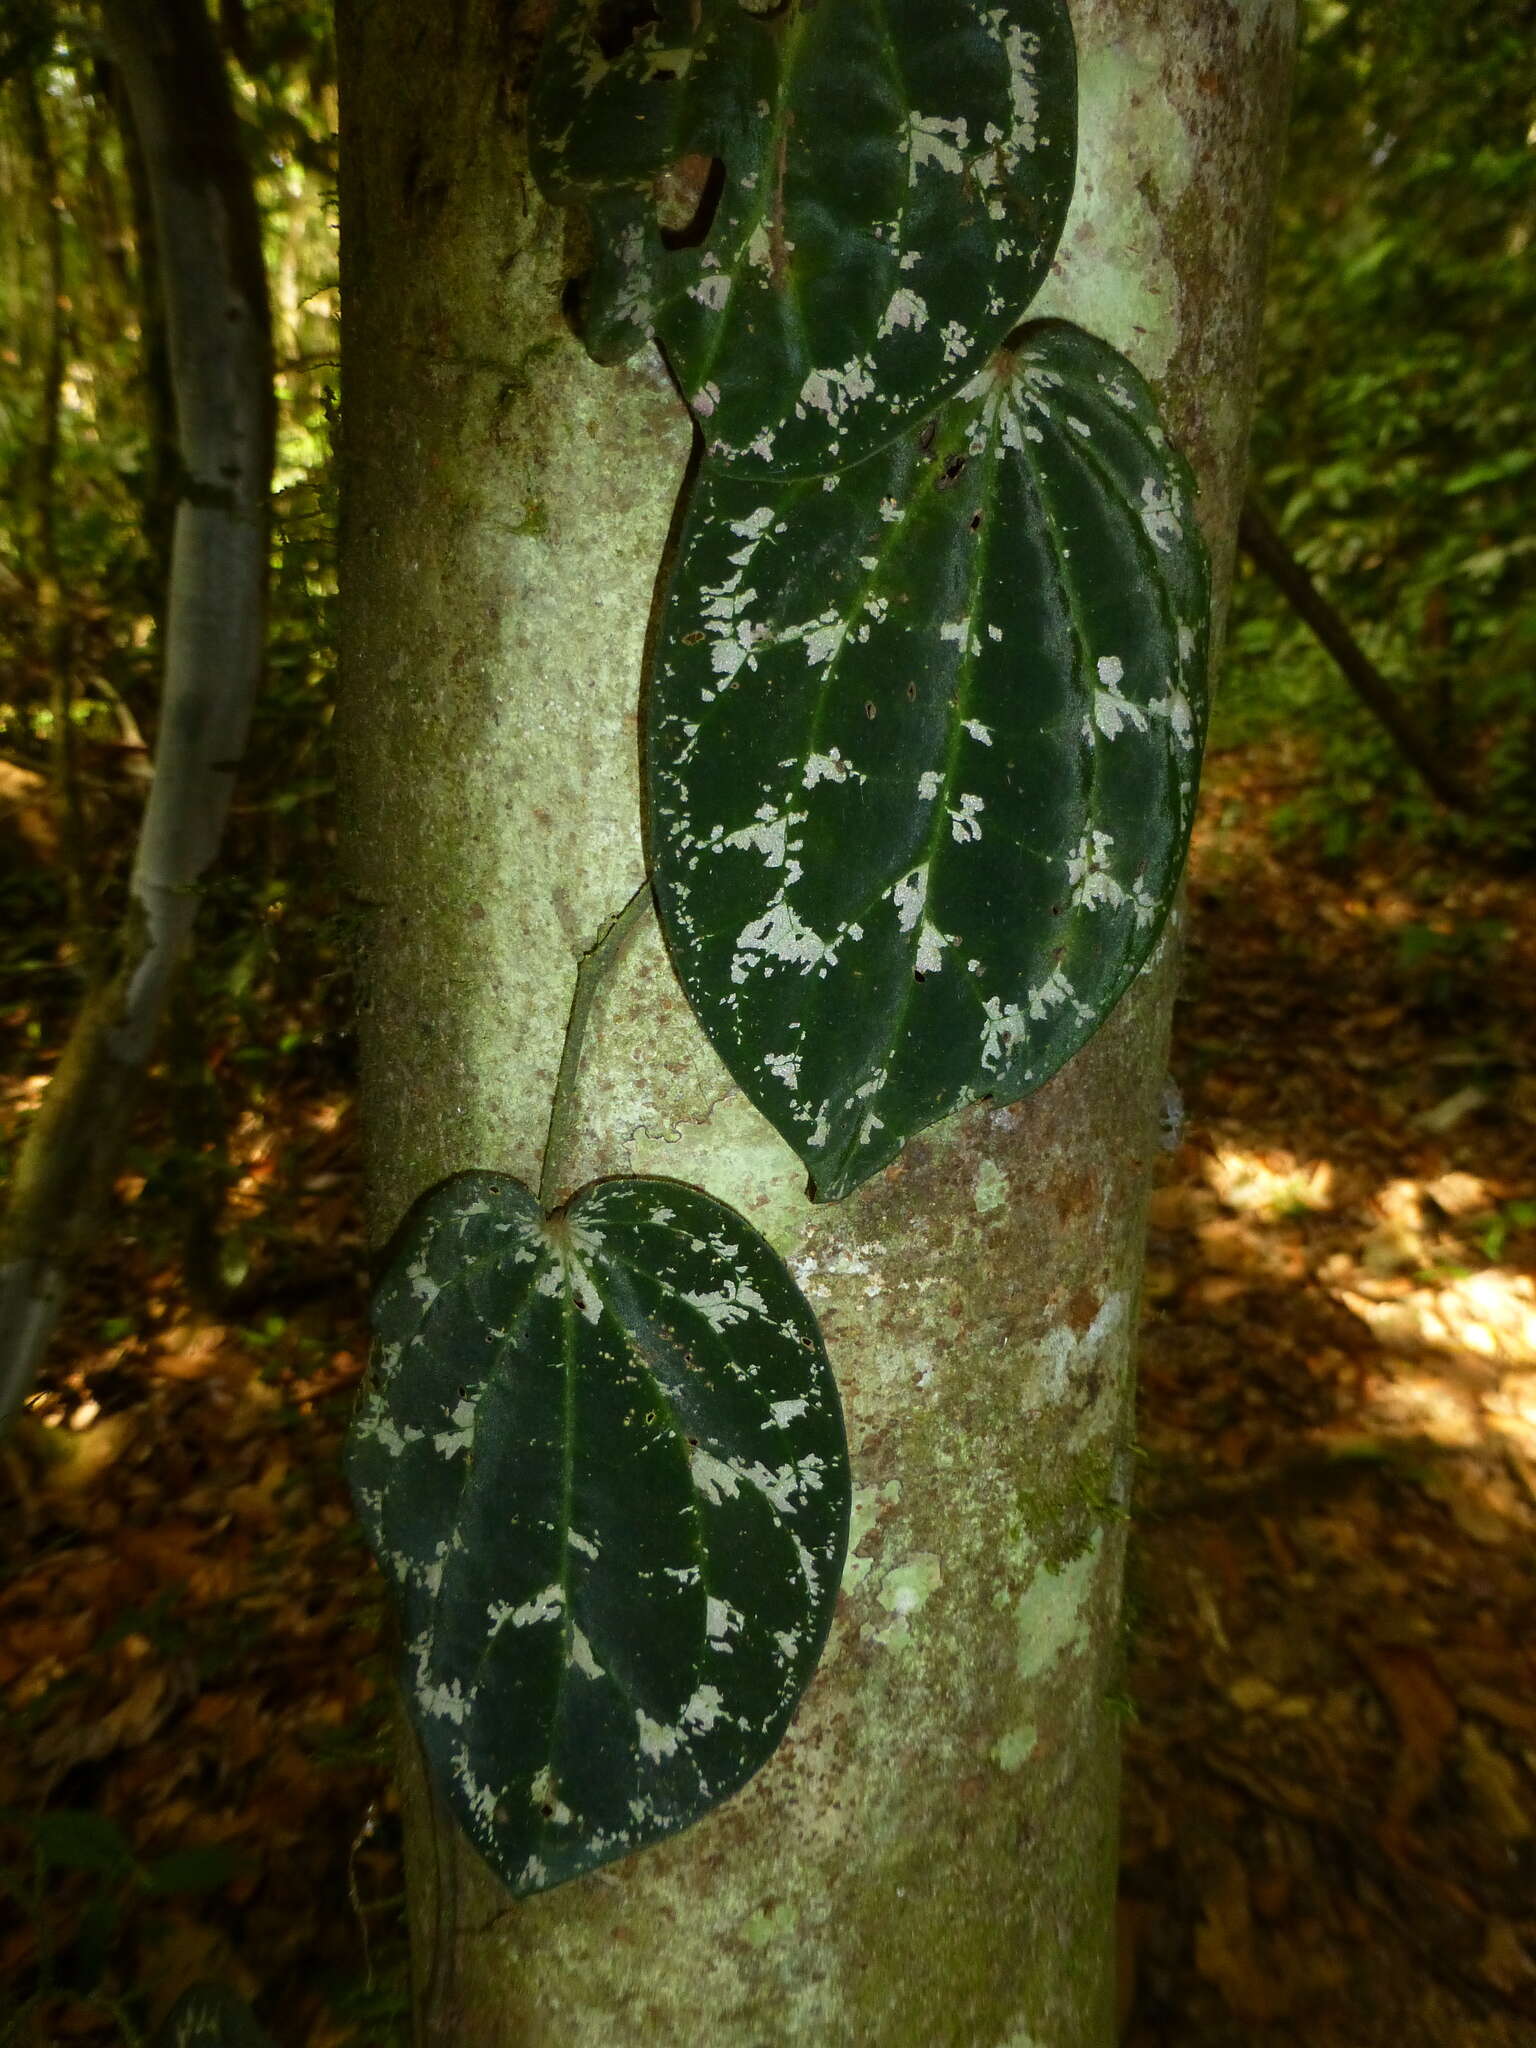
point(601, 1458)
point(829, 216)
point(922, 750)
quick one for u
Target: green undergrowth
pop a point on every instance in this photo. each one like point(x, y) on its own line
point(1396, 433)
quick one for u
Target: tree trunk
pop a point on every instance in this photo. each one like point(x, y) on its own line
point(208, 234)
point(930, 1856)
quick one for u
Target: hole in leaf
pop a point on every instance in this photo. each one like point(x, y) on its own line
point(547, 1810)
point(911, 693)
point(952, 470)
point(573, 302)
point(975, 522)
point(869, 709)
point(619, 24)
point(687, 196)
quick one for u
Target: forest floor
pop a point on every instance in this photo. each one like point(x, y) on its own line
point(1330, 1823)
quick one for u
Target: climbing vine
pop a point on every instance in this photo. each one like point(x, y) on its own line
point(921, 743)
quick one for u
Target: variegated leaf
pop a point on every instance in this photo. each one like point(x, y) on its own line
point(601, 1458)
point(923, 744)
point(889, 181)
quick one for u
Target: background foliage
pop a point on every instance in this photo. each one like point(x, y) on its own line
point(1394, 435)
point(86, 444)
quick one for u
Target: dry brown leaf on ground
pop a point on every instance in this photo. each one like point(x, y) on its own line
point(1229, 1953)
point(1425, 1717)
point(66, 1742)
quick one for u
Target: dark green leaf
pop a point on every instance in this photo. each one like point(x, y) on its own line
point(923, 742)
point(78, 1840)
point(210, 2016)
point(893, 177)
point(92, 1946)
point(191, 1870)
point(602, 1459)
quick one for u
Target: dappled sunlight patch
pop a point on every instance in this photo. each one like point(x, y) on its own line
point(1395, 1258)
point(1460, 1195)
point(1484, 1500)
point(1413, 1401)
point(194, 1348)
point(80, 1446)
point(1490, 1315)
point(1230, 1245)
point(1337, 1507)
point(1511, 1409)
point(1270, 1185)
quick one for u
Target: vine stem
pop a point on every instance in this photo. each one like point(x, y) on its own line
point(591, 970)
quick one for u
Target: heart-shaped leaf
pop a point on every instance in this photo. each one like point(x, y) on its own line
point(877, 190)
point(923, 741)
point(210, 2016)
point(601, 1457)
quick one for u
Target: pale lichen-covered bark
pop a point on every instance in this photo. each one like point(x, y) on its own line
point(930, 1856)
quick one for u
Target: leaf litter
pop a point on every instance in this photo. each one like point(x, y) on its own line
point(192, 1673)
point(1331, 1780)
point(1331, 1784)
